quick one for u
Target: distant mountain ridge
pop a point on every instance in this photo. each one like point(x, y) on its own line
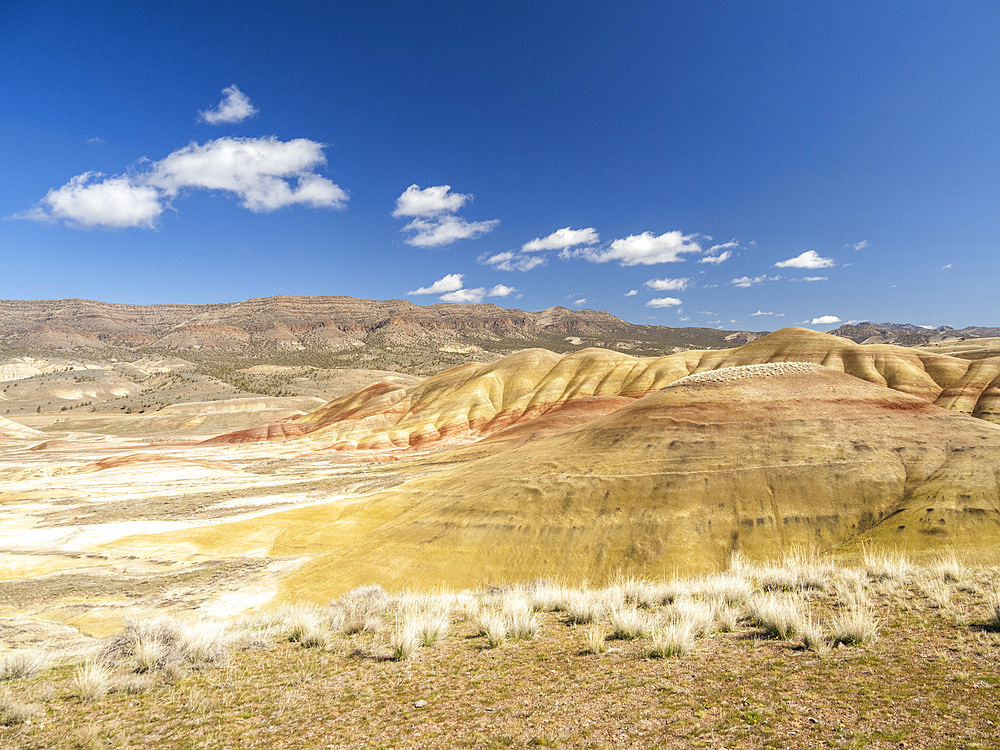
point(345, 328)
point(908, 334)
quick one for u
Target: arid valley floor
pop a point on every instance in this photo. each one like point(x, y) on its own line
point(807, 528)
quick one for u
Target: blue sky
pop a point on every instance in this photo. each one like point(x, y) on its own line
point(808, 160)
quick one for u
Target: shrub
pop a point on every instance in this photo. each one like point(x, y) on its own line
point(854, 626)
point(20, 665)
point(13, 711)
point(362, 609)
point(674, 639)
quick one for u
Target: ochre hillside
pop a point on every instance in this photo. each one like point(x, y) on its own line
point(475, 400)
point(785, 456)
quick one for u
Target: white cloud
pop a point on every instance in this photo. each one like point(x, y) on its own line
point(747, 281)
point(946, 267)
point(96, 141)
point(581, 301)
point(631, 292)
point(434, 222)
point(823, 320)
point(664, 302)
point(860, 245)
point(257, 170)
point(509, 260)
point(760, 312)
point(562, 239)
point(716, 259)
point(668, 284)
point(444, 230)
point(264, 173)
point(501, 290)
point(89, 202)
point(431, 201)
point(465, 295)
point(808, 259)
point(450, 283)
point(235, 107)
point(647, 249)
point(812, 278)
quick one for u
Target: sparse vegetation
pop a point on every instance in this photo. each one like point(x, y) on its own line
point(210, 666)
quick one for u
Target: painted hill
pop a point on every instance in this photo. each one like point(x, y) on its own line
point(755, 460)
point(475, 400)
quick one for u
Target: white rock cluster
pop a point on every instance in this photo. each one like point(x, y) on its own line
point(729, 374)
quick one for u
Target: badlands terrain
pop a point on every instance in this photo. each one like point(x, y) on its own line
point(225, 461)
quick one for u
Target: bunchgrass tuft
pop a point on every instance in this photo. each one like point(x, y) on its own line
point(779, 615)
point(21, 665)
point(493, 626)
point(628, 623)
point(673, 639)
point(855, 626)
point(14, 711)
point(92, 680)
point(595, 639)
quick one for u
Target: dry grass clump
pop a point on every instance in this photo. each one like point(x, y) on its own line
point(886, 566)
point(361, 609)
point(812, 635)
point(24, 664)
point(147, 645)
point(779, 615)
point(520, 616)
point(947, 568)
point(993, 610)
point(404, 641)
point(696, 616)
point(494, 627)
point(672, 639)
point(724, 588)
point(628, 623)
point(93, 680)
point(800, 571)
point(937, 591)
point(854, 626)
point(595, 640)
point(585, 607)
point(545, 596)
point(14, 711)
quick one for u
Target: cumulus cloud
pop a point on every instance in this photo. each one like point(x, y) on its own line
point(465, 295)
point(512, 261)
point(265, 174)
point(259, 171)
point(748, 281)
point(581, 301)
point(631, 292)
point(431, 201)
point(474, 296)
point(823, 320)
point(562, 239)
point(444, 230)
point(234, 107)
point(808, 259)
point(647, 249)
point(716, 259)
point(450, 283)
point(664, 302)
point(668, 284)
point(434, 222)
point(87, 201)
